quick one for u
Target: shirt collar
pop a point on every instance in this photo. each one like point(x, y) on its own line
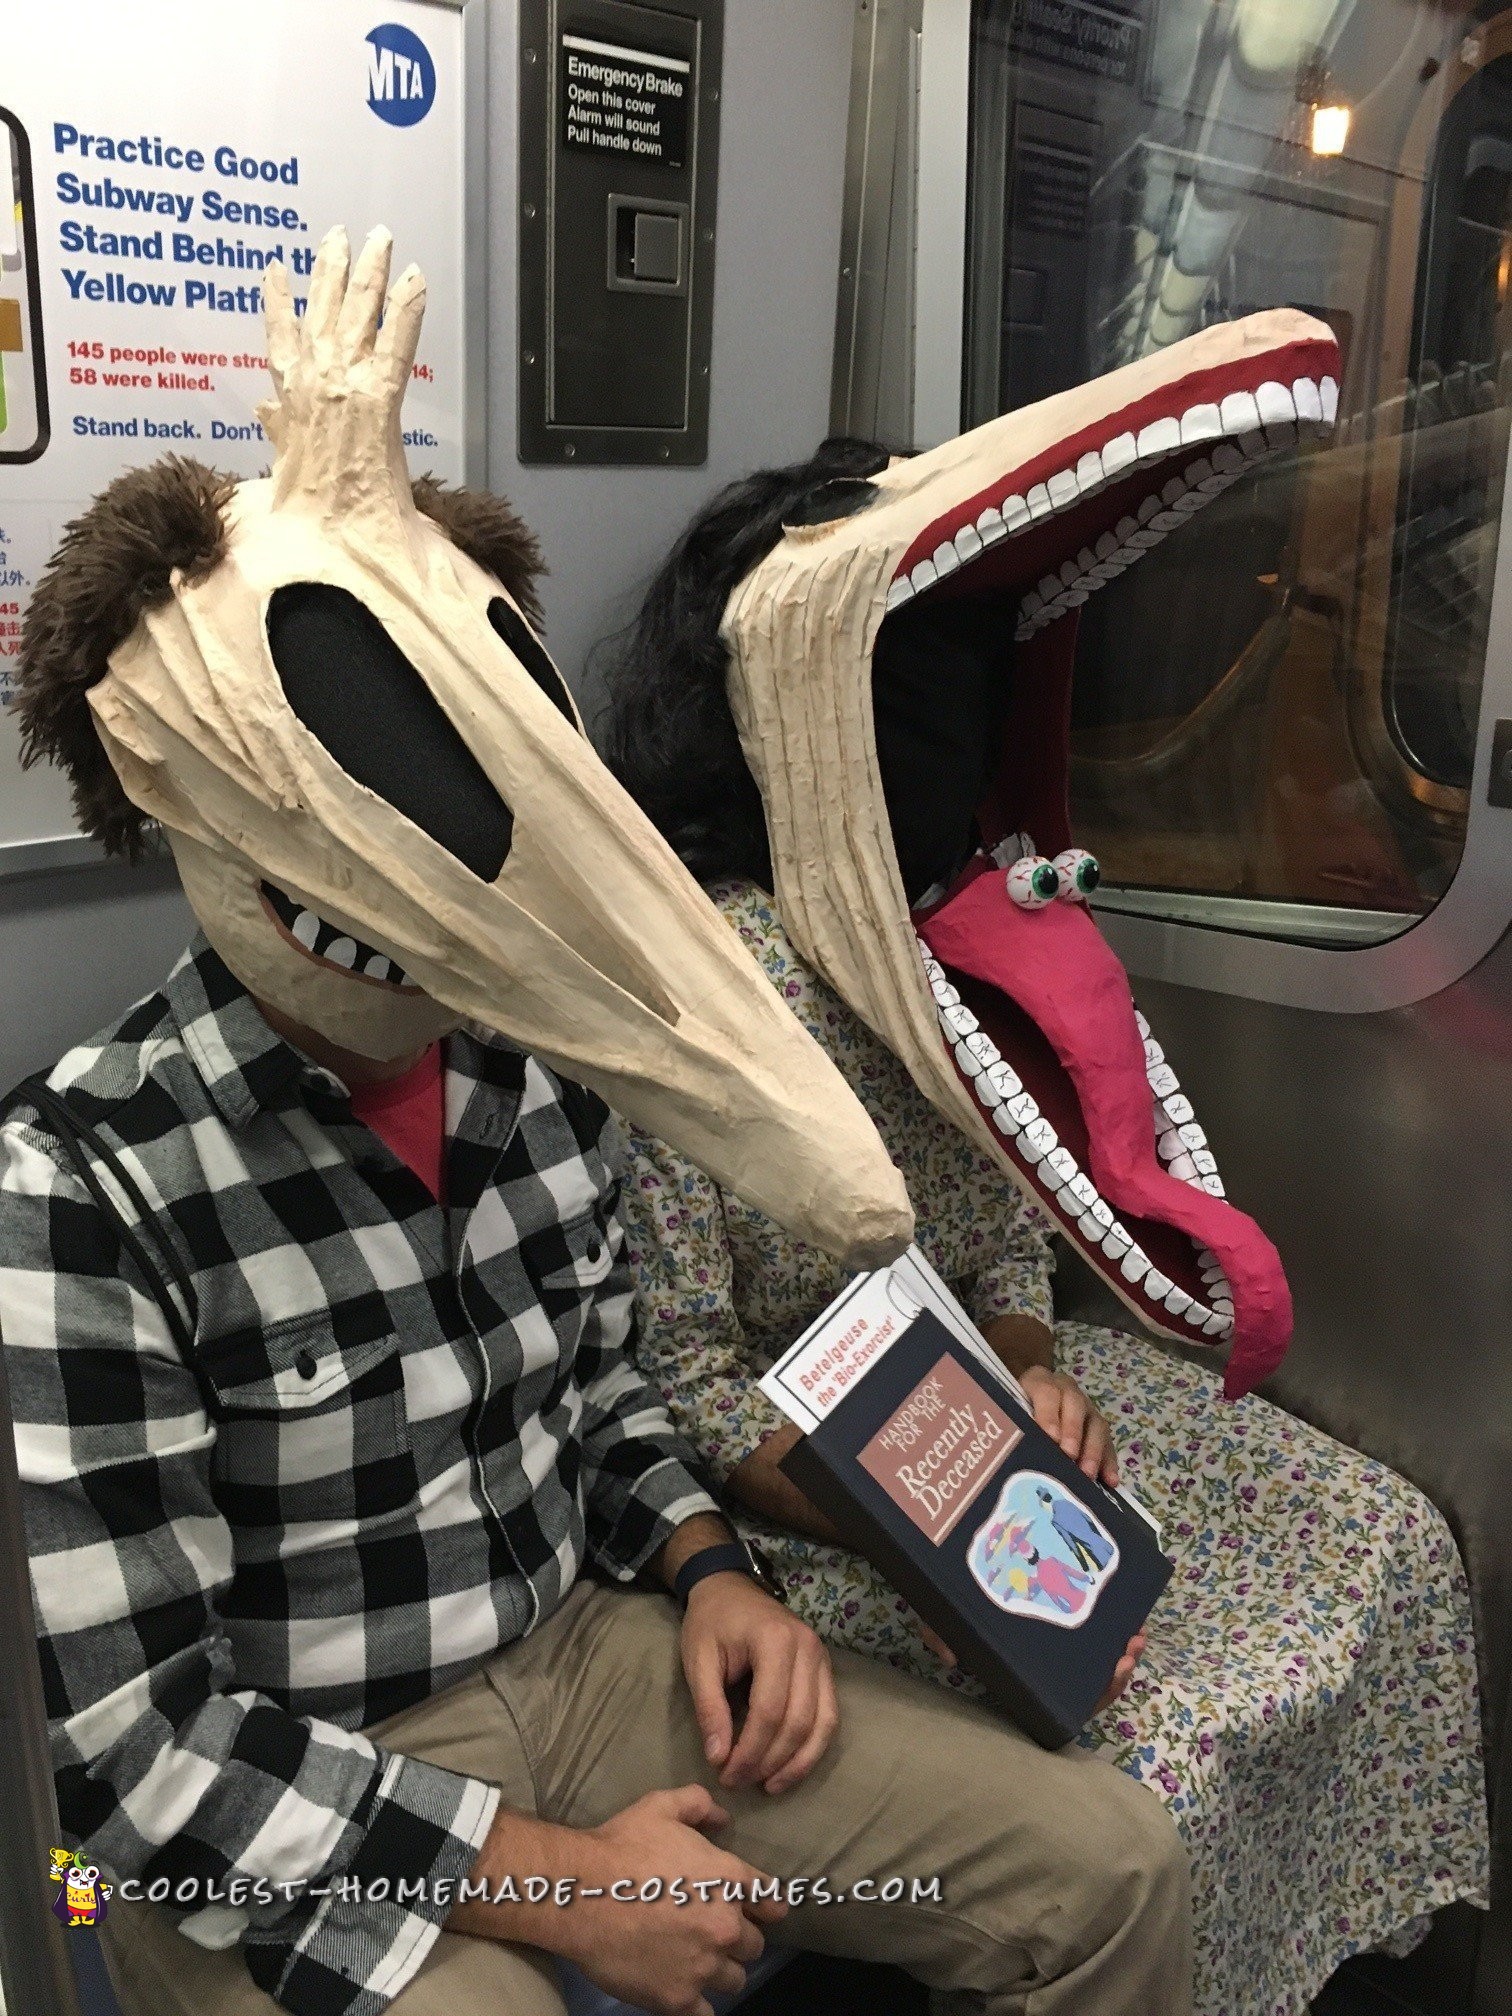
point(245, 1065)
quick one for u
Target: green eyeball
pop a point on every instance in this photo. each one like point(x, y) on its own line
point(1033, 882)
point(1077, 874)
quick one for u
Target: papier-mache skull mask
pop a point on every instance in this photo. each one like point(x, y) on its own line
point(384, 810)
point(899, 670)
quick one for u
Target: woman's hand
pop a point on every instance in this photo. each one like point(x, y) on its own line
point(1064, 1411)
point(1027, 1347)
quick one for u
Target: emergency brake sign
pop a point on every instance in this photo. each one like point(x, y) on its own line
point(630, 102)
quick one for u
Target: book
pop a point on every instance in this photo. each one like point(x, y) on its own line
point(923, 1449)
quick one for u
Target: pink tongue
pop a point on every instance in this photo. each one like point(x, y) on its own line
point(1058, 967)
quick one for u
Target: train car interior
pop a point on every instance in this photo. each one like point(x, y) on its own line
point(892, 226)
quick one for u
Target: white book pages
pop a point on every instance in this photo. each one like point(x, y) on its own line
point(813, 1375)
point(868, 1315)
point(916, 1273)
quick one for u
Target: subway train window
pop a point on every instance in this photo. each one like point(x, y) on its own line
point(1274, 717)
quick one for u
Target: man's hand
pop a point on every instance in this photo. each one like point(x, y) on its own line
point(658, 1954)
point(733, 1630)
point(1064, 1411)
point(759, 1481)
point(664, 1956)
point(1123, 1672)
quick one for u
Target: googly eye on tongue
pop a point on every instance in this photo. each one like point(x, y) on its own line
point(1077, 874)
point(1033, 882)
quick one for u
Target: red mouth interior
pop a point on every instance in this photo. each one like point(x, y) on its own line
point(1315, 359)
point(1051, 994)
point(1044, 987)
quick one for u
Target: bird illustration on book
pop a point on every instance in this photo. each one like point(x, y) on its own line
point(1014, 1563)
point(1059, 1583)
point(1076, 1526)
point(1041, 1553)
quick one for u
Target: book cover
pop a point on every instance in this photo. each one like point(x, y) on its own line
point(930, 1461)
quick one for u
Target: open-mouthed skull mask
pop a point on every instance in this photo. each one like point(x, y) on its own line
point(899, 670)
point(377, 789)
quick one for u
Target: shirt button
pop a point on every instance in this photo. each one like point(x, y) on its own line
point(594, 1250)
point(304, 1363)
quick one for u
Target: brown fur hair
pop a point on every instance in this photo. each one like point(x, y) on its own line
point(489, 531)
point(116, 561)
point(113, 564)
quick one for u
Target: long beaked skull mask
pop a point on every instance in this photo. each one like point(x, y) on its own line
point(387, 818)
point(899, 672)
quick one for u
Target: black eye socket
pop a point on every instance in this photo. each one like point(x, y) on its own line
point(530, 651)
point(840, 497)
point(360, 697)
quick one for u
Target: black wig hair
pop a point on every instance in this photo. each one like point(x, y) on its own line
point(669, 735)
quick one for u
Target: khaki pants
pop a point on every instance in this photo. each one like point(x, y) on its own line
point(1063, 1885)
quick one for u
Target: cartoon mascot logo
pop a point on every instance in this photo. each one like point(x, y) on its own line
point(82, 1897)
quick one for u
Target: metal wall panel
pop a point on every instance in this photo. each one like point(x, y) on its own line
point(615, 341)
point(1375, 1150)
point(872, 394)
point(784, 99)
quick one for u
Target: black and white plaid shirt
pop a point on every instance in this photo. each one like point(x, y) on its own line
point(404, 1429)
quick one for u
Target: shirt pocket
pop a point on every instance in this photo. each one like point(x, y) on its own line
point(311, 1422)
point(567, 1265)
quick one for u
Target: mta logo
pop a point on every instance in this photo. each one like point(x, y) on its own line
point(401, 75)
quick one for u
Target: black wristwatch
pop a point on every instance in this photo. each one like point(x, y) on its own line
point(735, 1555)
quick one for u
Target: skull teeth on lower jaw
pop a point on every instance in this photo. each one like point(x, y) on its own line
point(1069, 1190)
point(1241, 428)
point(329, 944)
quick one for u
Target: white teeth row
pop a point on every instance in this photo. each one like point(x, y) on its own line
point(1244, 426)
point(310, 930)
point(1179, 1141)
point(1220, 1293)
point(1000, 1093)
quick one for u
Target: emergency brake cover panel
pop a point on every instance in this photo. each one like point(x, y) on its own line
point(619, 146)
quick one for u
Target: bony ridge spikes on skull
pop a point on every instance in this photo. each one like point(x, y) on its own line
point(917, 626)
point(326, 689)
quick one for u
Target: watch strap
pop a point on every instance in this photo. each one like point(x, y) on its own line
point(728, 1556)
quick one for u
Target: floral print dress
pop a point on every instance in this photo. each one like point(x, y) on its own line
point(1307, 1706)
